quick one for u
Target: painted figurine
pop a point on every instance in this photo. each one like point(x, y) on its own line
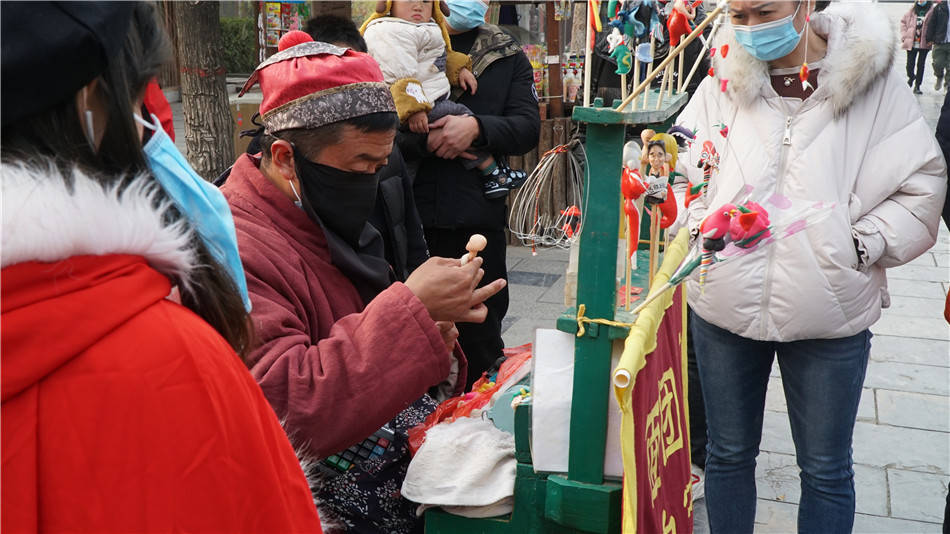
point(679, 23)
point(708, 162)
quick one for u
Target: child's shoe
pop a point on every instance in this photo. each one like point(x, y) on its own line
point(492, 189)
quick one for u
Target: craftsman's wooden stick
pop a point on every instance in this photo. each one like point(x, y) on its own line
point(666, 86)
point(623, 86)
point(673, 53)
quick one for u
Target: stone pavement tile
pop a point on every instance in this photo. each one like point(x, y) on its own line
point(522, 331)
point(555, 294)
point(914, 410)
point(919, 273)
point(920, 327)
point(898, 287)
point(908, 377)
point(775, 400)
point(917, 307)
point(775, 517)
point(942, 259)
point(901, 448)
point(873, 524)
point(776, 433)
point(925, 260)
point(532, 278)
point(526, 305)
point(918, 496)
point(910, 350)
point(550, 266)
point(777, 479)
point(512, 263)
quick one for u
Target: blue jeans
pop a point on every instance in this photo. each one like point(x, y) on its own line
point(822, 379)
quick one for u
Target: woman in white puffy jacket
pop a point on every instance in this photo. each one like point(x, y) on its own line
point(855, 137)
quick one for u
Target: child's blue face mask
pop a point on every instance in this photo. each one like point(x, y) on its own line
point(465, 15)
point(771, 40)
point(198, 200)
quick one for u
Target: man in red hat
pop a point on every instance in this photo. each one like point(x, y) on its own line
point(344, 348)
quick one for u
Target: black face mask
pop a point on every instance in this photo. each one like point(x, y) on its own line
point(343, 201)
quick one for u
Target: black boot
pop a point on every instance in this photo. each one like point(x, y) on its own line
point(917, 90)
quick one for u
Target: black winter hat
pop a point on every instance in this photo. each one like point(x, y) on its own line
point(52, 49)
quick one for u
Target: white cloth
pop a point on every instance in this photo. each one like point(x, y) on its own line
point(466, 466)
point(406, 49)
point(859, 141)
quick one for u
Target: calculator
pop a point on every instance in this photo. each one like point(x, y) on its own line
point(371, 447)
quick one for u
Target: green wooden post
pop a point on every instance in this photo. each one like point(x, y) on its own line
point(596, 289)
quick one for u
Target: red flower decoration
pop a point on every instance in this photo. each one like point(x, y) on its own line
point(722, 85)
point(724, 50)
point(712, 72)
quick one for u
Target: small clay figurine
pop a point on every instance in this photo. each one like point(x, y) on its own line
point(476, 244)
point(708, 162)
point(658, 176)
point(620, 52)
point(680, 19)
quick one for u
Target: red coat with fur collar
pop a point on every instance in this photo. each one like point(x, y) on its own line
point(123, 411)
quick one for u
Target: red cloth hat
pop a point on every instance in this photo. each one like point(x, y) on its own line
point(308, 84)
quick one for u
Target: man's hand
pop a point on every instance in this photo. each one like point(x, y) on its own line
point(452, 135)
point(448, 289)
point(419, 122)
point(467, 81)
point(450, 334)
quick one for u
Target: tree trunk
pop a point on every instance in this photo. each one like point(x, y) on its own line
point(209, 129)
point(331, 7)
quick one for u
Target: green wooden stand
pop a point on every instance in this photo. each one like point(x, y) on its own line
point(582, 501)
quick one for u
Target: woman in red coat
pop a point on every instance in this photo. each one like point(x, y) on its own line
point(122, 409)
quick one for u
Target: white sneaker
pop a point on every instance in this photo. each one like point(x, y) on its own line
point(698, 477)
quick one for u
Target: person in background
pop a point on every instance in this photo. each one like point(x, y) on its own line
point(337, 30)
point(914, 41)
point(347, 353)
point(809, 299)
point(938, 32)
point(449, 197)
point(125, 405)
point(410, 42)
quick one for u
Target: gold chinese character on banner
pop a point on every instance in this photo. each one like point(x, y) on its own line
point(669, 523)
point(662, 433)
point(670, 415)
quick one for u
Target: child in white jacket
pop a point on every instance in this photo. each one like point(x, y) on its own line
point(409, 41)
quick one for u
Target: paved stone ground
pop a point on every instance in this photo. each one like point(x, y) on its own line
point(902, 436)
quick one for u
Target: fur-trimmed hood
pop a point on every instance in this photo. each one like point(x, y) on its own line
point(48, 218)
point(862, 42)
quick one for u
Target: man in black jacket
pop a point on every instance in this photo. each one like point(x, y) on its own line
point(449, 197)
point(936, 33)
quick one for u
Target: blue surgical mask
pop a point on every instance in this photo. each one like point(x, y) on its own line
point(771, 40)
point(198, 200)
point(465, 15)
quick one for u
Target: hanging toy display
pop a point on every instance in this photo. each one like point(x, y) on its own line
point(619, 51)
point(708, 162)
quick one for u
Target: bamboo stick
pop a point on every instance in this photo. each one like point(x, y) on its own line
point(649, 72)
point(679, 78)
point(587, 57)
point(702, 53)
point(673, 53)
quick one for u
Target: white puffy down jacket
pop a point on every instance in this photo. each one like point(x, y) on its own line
point(860, 141)
point(406, 49)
